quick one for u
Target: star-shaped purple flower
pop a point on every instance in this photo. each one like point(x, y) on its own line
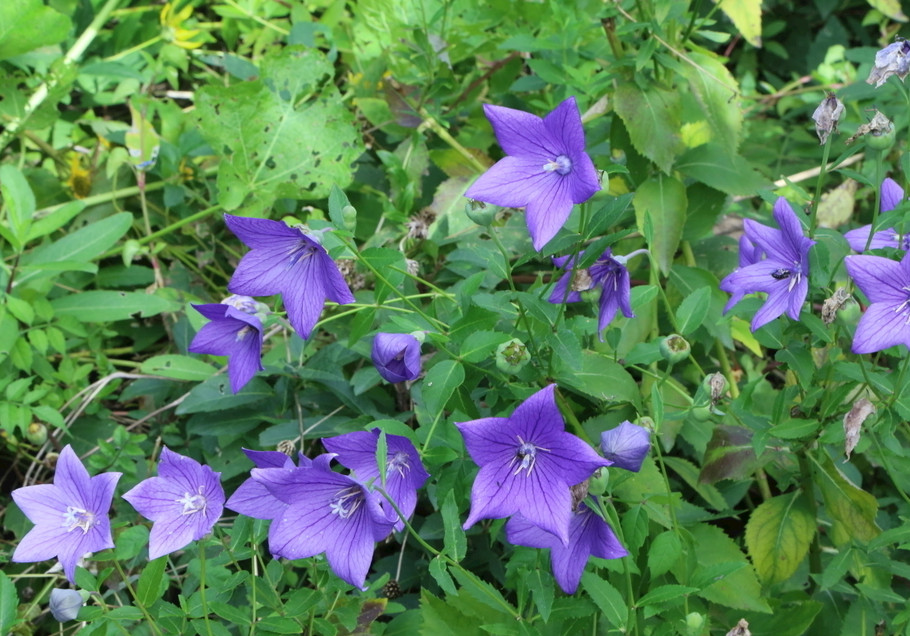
point(70, 515)
point(886, 284)
point(184, 501)
point(891, 195)
point(784, 272)
point(626, 446)
point(749, 254)
point(232, 333)
point(404, 471)
point(283, 260)
point(546, 171)
point(609, 272)
point(326, 512)
point(527, 463)
point(588, 535)
point(396, 356)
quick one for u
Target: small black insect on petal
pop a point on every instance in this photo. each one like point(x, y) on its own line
point(780, 274)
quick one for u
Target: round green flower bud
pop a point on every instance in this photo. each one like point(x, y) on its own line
point(512, 356)
point(480, 212)
point(674, 348)
point(36, 433)
point(597, 484)
point(349, 215)
point(881, 140)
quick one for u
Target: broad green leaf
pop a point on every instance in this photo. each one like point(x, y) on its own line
point(481, 345)
point(601, 378)
point(107, 306)
point(18, 203)
point(714, 166)
point(215, 395)
point(891, 8)
point(541, 586)
point(852, 509)
point(664, 552)
point(607, 598)
point(8, 604)
point(455, 541)
point(439, 384)
point(55, 220)
point(693, 310)
point(662, 199)
point(732, 580)
point(664, 594)
point(652, 118)
point(482, 591)
point(178, 367)
point(716, 91)
point(142, 141)
point(778, 536)
point(285, 134)
point(440, 573)
point(26, 25)
point(746, 16)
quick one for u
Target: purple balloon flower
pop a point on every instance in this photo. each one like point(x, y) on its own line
point(588, 535)
point(527, 463)
point(404, 470)
point(610, 273)
point(784, 272)
point(283, 260)
point(396, 356)
point(546, 171)
point(232, 333)
point(892, 194)
point(749, 254)
point(626, 446)
point(184, 501)
point(326, 512)
point(70, 516)
point(885, 283)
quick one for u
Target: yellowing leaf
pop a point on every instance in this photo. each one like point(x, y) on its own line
point(852, 509)
point(778, 536)
point(746, 16)
point(891, 8)
point(740, 331)
point(142, 141)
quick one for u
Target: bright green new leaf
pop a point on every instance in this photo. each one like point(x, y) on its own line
point(891, 8)
point(652, 119)
point(286, 134)
point(18, 204)
point(716, 91)
point(746, 16)
point(693, 310)
point(778, 536)
point(26, 25)
point(662, 199)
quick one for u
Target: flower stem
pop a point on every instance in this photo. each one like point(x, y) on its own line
point(205, 607)
point(139, 604)
point(813, 222)
point(877, 183)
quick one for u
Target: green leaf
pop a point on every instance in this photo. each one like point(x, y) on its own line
point(714, 166)
point(18, 202)
point(778, 536)
point(287, 134)
point(652, 118)
point(439, 384)
point(9, 601)
point(716, 91)
point(607, 598)
point(455, 541)
point(662, 199)
point(746, 16)
point(151, 583)
point(664, 552)
point(481, 345)
point(178, 367)
point(440, 573)
point(693, 310)
point(891, 8)
point(26, 25)
point(601, 378)
point(108, 306)
point(142, 142)
point(852, 509)
point(215, 395)
point(664, 594)
point(541, 586)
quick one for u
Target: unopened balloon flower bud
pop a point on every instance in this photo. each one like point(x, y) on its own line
point(597, 484)
point(36, 433)
point(481, 213)
point(674, 348)
point(512, 356)
point(626, 446)
point(65, 604)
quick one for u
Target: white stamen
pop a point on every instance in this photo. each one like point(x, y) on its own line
point(192, 503)
point(78, 518)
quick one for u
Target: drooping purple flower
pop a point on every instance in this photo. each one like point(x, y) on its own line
point(404, 471)
point(184, 501)
point(891, 196)
point(546, 169)
point(70, 515)
point(527, 463)
point(253, 499)
point(396, 356)
point(326, 512)
point(784, 272)
point(609, 273)
point(283, 260)
point(588, 535)
point(232, 333)
point(626, 446)
point(886, 284)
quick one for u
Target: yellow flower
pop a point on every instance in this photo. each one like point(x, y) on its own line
point(172, 27)
point(79, 180)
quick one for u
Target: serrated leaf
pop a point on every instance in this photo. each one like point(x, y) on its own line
point(178, 367)
point(26, 25)
point(481, 345)
point(852, 509)
point(543, 591)
point(607, 598)
point(440, 574)
point(286, 134)
point(715, 166)
point(716, 91)
point(664, 594)
point(215, 395)
point(661, 201)
point(601, 378)
point(778, 535)
point(652, 118)
point(108, 306)
point(455, 541)
point(9, 601)
point(746, 16)
point(439, 384)
point(729, 455)
point(664, 552)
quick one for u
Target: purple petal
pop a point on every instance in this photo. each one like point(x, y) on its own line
point(253, 499)
point(880, 279)
point(73, 479)
point(259, 233)
point(396, 356)
point(269, 459)
point(892, 195)
point(775, 305)
point(520, 133)
point(880, 327)
point(883, 238)
point(626, 446)
point(40, 543)
point(486, 441)
point(44, 504)
point(548, 208)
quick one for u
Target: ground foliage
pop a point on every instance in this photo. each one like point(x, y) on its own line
point(130, 127)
